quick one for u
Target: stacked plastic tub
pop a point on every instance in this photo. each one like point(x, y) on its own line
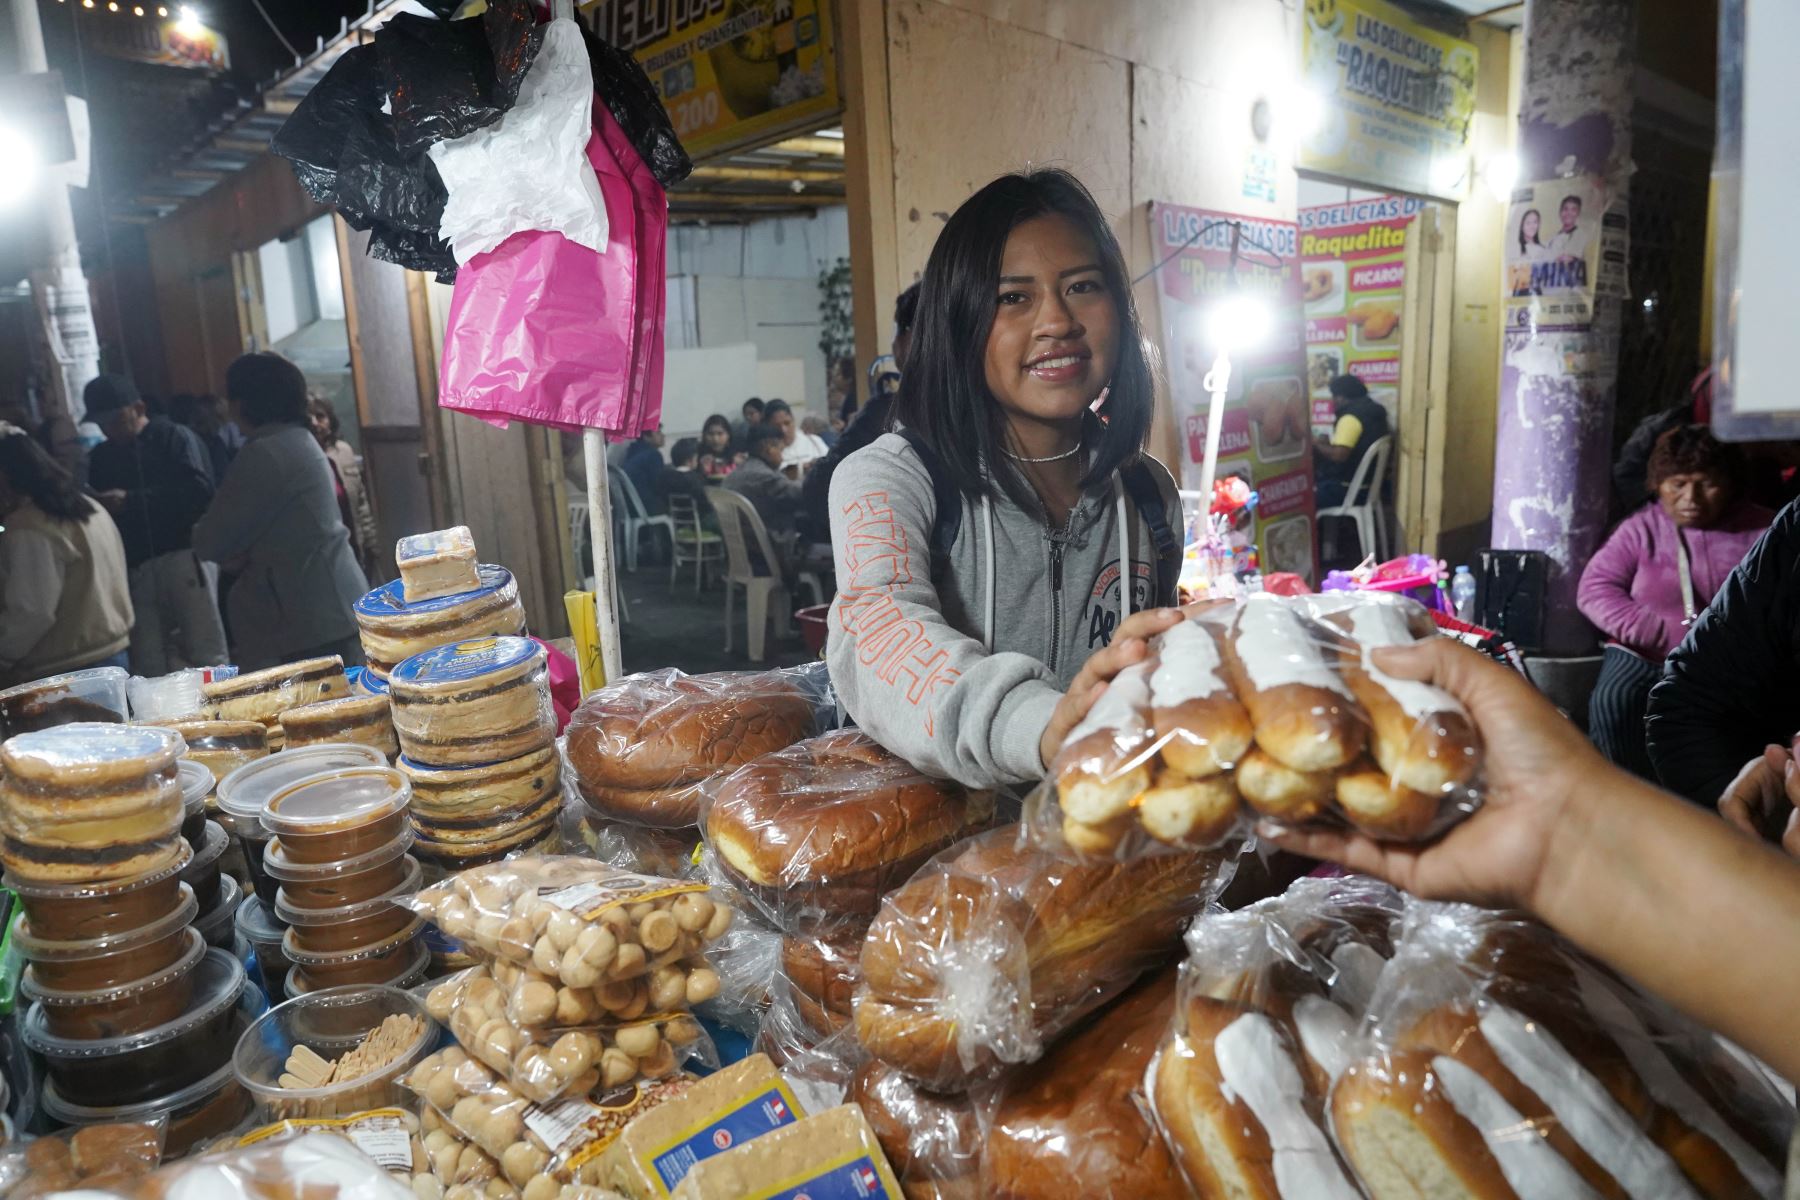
point(215, 892)
point(393, 629)
point(133, 1014)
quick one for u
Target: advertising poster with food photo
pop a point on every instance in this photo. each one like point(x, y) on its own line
point(1353, 279)
point(1553, 254)
point(1265, 435)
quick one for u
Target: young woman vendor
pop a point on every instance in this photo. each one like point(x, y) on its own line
point(981, 606)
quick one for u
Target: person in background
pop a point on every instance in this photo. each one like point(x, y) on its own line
point(206, 416)
point(352, 487)
point(1359, 422)
point(643, 464)
point(820, 428)
point(276, 522)
point(752, 417)
point(65, 598)
point(717, 454)
point(1659, 568)
point(814, 520)
point(840, 392)
point(759, 480)
point(1770, 478)
point(797, 449)
point(682, 478)
point(154, 477)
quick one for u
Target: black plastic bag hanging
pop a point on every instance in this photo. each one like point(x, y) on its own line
point(446, 79)
point(631, 98)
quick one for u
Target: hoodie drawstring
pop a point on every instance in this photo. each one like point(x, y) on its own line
point(1126, 579)
point(987, 520)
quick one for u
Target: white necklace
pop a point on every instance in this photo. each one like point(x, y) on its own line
point(1071, 452)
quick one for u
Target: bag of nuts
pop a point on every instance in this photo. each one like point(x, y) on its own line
point(482, 1134)
point(575, 920)
point(543, 1063)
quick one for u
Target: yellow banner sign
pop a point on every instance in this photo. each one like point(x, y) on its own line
point(1390, 100)
point(730, 72)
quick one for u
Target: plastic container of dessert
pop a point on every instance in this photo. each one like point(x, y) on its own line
point(358, 717)
point(115, 1011)
point(218, 924)
point(341, 815)
point(245, 792)
point(96, 694)
point(410, 974)
point(263, 934)
point(350, 926)
point(443, 859)
point(221, 746)
point(69, 912)
point(214, 1106)
point(110, 960)
point(330, 1022)
point(165, 697)
point(154, 1062)
point(386, 961)
point(393, 630)
point(196, 785)
point(202, 872)
point(478, 701)
point(335, 884)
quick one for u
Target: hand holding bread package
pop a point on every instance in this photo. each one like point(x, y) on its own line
point(1272, 708)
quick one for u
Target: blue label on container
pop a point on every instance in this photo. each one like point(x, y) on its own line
point(749, 1118)
point(857, 1179)
point(390, 598)
point(460, 662)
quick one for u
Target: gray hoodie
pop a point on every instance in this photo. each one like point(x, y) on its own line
point(959, 675)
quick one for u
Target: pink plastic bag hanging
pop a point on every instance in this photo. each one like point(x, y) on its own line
point(651, 214)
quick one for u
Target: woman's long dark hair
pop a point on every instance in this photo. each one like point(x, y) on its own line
point(30, 471)
point(943, 392)
point(1530, 212)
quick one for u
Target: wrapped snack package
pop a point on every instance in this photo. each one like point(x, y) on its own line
point(391, 1137)
point(832, 1154)
point(999, 945)
point(817, 833)
point(97, 1156)
point(543, 1061)
point(640, 748)
point(575, 920)
point(1270, 998)
point(1269, 708)
point(317, 1166)
point(439, 563)
point(932, 1140)
point(1482, 1026)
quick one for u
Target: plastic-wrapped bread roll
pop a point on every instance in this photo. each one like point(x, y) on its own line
point(1304, 714)
point(1200, 726)
point(1106, 762)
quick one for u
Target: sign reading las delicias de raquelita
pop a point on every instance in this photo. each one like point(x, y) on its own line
point(1353, 278)
point(730, 72)
point(1394, 98)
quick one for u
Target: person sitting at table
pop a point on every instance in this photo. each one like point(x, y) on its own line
point(718, 454)
point(797, 448)
point(1660, 567)
point(643, 463)
point(680, 477)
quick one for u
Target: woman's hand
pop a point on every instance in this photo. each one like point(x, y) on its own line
point(1764, 799)
point(1130, 642)
point(1538, 767)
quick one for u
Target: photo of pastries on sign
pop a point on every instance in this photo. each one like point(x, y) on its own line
point(1278, 415)
point(1322, 285)
point(1375, 320)
point(1322, 366)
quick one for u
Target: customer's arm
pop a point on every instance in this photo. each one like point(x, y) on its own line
point(1605, 598)
point(1711, 713)
point(1663, 892)
point(31, 584)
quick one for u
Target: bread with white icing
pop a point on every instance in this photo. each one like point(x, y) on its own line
point(1303, 712)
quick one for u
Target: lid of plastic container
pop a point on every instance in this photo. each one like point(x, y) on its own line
point(218, 982)
point(389, 599)
point(461, 662)
point(36, 949)
point(224, 912)
point(338, 958)
point(343, 799)
point(270, 678)
point(196, 784)
point(256, 922)
point(193, 1096)
point(73, 681)
point(57, 998)
point(412, 882)
point(411, 977)
point(357, 704)
point(205, 733)
point(212, 846)
point(278, 866)
point(38, 890)
point(373, 684)
point(321, 1022)
point(89, 751)
point(245, 792)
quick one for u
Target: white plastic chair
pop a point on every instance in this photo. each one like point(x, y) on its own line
point(1371, 515)
point(694, 543)
point(739, 521)
point(635, 519)
point(578, 537)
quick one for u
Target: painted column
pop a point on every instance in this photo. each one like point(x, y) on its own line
point(1552, 455)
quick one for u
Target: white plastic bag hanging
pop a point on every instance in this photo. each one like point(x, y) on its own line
point(529, 170)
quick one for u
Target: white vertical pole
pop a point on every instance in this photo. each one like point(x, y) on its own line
point(1217, 383)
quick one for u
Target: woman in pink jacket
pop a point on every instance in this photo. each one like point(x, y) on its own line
point(1656, 572)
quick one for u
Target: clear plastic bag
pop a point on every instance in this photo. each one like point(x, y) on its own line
point(931, 1139)
point(644, 849)
point(1492, 1051)
point(317, 1165)
point(1270, 999)
point(817, 833)
point(641, 748)
point(1267, 708)
point(748, 962)
point(999, 945)
point(578, 921)
point(824, 972)
point(819, 1064)
point(391, 1137)
point(98, 1156)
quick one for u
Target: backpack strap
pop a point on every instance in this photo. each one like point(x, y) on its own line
point(947, 524)
point(1140, 486)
